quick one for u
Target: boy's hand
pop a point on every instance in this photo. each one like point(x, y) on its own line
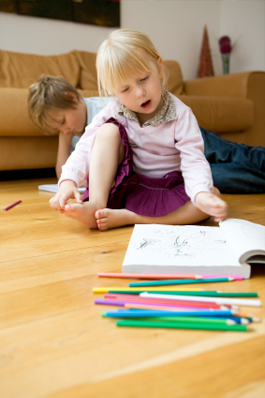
point(68, 190)
point(213, 205)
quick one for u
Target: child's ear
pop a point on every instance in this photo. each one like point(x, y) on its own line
point(68, 94)
point(160, 67)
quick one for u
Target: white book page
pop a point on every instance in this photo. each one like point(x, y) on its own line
point(54, 188)
point(179, 245)
point(244, 237)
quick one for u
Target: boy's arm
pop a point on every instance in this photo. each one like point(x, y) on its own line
point(64, 151)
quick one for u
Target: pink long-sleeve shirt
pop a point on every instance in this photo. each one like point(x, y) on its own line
point(157, 150)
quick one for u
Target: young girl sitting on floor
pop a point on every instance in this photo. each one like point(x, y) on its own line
point(143, 152)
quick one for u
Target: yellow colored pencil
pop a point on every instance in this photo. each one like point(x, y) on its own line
point(135, 289)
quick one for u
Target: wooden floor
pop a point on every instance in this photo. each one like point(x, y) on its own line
point(53, 341)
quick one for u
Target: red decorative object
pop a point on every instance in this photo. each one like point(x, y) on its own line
point(225, 49)
point(205, 68)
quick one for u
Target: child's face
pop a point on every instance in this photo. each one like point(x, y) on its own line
point(72, 121)
point(142, 93)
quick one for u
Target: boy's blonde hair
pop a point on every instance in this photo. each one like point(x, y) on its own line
point(124, 54)
point(50, 94)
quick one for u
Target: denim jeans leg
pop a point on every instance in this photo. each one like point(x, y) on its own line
point(236, 168)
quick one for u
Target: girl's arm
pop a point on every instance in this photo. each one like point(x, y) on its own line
point(194, 166)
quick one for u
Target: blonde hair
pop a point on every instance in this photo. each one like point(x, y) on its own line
point(125, 53)
point(48, 95)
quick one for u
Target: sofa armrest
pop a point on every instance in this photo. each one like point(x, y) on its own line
point(248, 85)
point(234, 85)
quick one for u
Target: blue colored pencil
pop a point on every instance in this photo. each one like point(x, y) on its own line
point(179, 282)
point(152, 313)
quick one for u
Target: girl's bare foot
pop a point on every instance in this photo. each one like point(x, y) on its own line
point(112, 218)
point(82, 212)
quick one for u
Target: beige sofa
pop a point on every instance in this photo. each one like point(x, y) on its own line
point(232, 105)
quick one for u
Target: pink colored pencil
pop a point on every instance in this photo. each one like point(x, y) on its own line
point(13, 204)
point(121, 303)
point(163, 276)
point(165, 301)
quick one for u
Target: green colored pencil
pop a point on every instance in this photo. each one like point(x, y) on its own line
point(182, 325)
point(208, 320)
point(179, 282)
point(190, 319)
point(138, 291)
point(203, 294)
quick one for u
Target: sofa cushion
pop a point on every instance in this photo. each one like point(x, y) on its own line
point(88, 72)
point(221, 114)
point(21, 70)
point(175, 79)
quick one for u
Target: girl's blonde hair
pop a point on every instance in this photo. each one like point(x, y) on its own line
point(48, 95)
point(124, 54)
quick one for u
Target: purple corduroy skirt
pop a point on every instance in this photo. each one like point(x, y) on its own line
point(153, 197)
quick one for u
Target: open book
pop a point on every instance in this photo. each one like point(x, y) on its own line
point(224, 250)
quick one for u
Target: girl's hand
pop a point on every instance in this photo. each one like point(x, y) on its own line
point(68, 190)
point(213, 205)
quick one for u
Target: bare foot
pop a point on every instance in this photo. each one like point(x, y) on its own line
point(82, 212)
point(112, 218)
point(213, 205)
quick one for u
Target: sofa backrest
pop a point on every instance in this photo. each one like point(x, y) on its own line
point(175, 80)
point(20, 70)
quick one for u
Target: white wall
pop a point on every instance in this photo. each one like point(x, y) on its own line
point(244, 21)
point(175, 27)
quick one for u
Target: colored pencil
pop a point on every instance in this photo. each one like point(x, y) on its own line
point(236, 277)
point(204, 294)
point(136, 292)
point(179, 282)
point(132, 298)
point(147, 276)
point(217, 300)
point(151, 313)
point(13, 204)
point(121, 303)
point(106, 289)
point(236, 319)
point(208, 320)
point(182, 325)
point(163, 276)
point(166, 307)
point(249, 316)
